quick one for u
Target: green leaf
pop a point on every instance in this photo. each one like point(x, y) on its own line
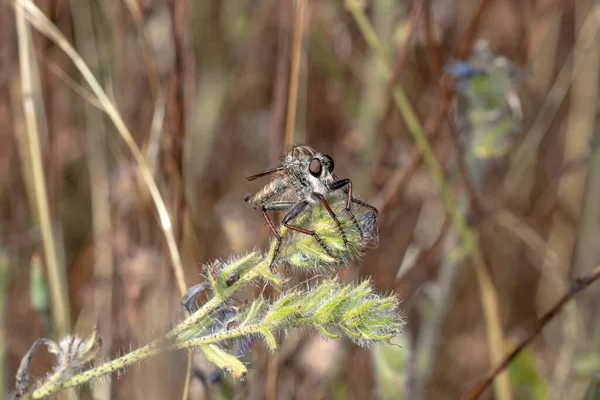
point(527, 380)
point(360, 312)
point(269, 338)
point(280, 315)
point(224, 360)
point(325, 332)
point(255, 309)
point(326, 313)
point(239, 265)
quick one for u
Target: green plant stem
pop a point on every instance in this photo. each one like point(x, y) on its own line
point(469, 246)
point(151, 349)
point(173, 339)
point(217, 337)
point(52, 386)
point(214, 302)
point(135, 356)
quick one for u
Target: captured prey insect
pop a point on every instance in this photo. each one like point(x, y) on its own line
point(303, 180)
point(222, 319)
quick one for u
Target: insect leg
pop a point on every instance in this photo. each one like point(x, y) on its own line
point(277, 236)
point(189, 299)
point(278, 206)
point(349, 191)
point(343, 183)
point(370, 207)
point(330, 211)
point(293, 213)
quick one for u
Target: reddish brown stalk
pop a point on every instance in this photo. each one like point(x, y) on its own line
point(475, 205)
point(464, 51)
point(578, 285)
point(433, 49)
point(413, 19)
point(177, 138)
point(176, 114)
point(471, 32)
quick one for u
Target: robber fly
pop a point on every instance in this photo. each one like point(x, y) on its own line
point(303, 181)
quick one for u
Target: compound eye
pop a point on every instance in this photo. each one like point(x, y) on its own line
point(315, 167)
point(329, 162)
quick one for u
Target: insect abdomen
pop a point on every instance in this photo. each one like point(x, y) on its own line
point(267, 194)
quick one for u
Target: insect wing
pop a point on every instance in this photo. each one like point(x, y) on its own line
point(265, 173)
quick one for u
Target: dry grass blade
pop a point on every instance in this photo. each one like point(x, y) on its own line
point(35, 16)
point(295, 74)
point(56, 273)
point(71, 83)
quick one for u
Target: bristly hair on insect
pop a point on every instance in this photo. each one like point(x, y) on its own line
point(302, 181)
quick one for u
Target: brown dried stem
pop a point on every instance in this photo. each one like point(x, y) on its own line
point(579, 285)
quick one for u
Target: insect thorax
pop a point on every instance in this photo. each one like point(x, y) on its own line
point(297, 171)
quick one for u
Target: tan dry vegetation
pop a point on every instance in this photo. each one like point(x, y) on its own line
point(205, 100)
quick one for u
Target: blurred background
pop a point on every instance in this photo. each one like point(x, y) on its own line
point(204, 88)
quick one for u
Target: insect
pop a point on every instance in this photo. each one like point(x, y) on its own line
point(303, 181)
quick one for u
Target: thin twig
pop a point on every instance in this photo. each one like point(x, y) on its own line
point(177, 120)
point(176, 141)
point(295, 74)
point(471, 32)
point(434, 55)
point(579, 285)
point(280, 86)
point(413, 19)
